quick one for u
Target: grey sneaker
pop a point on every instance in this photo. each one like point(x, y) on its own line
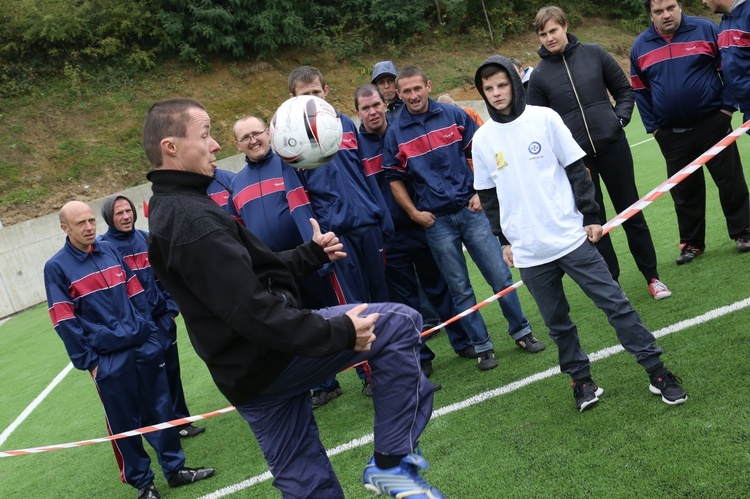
point(486, 360)
point(321, 398)
point(586, 394)
point(530, 344)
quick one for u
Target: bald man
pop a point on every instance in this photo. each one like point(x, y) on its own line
point(95, 302)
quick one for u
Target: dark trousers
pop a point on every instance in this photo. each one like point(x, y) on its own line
point(133, 388)
point(615, 168)
point(168, 339)
point(587, 269)
point(408, 260)
point(689, 196)
point(282, 420)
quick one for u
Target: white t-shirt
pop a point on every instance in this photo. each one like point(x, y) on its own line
point(525, 160)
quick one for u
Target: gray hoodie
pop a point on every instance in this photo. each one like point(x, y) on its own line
point(108, 209)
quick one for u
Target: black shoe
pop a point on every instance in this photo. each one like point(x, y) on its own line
point(486, 360)
point(189, 430)
point(366, 387)
point(666, 384)
point(321, 398)
point(530, 344)
point(187, 476)
point(468, 353)
point(743, 244)
point(688, 253)
point(436, 386)
point(586, 394)
point(149, 492)
point(426, 367)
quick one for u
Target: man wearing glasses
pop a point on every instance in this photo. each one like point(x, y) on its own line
point(268, 198)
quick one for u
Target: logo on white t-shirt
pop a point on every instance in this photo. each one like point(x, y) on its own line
point(535, 148)
point(500, 160)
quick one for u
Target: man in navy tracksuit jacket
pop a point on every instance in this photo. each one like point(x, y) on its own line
point(427, 146)
point(682, 101)
point(346, 203)
point(734, 44)
point(268, 198)
point(218, 190)
point(407, 253)
point(120, 215)
point(98, 307)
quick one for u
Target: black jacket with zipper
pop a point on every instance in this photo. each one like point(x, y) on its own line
point(575, 84)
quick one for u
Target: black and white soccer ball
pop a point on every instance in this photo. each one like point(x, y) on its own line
point(306, 132)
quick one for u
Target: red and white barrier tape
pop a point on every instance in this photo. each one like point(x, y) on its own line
point(619, 219)
point(131, 433)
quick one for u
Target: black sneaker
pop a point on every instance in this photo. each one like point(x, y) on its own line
point(436, 386)
point(426, 367)
point(189, 430)
point(367, 387)
point(149, 492)
point(586, 394)
point(321, 398)
point(743, 244)
point(666, 384)
point(688, 253)
point(468, 353)
point(187, 476)
point(486, 360)
point(530, 344)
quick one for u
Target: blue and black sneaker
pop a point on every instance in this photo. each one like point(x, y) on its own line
point(402, 481)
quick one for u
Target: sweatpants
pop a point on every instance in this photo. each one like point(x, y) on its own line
point(281, 416)
point(689, 196)
point(133, 388)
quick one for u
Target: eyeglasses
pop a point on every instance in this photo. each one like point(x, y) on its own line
point(252, 137)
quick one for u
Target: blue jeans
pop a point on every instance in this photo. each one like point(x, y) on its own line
point(473, 231)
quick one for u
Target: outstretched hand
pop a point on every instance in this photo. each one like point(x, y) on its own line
point(328, 241)
point(364, 326)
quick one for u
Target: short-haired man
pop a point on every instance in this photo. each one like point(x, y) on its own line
point(119, 213)
point(99, 309)
point(239, 301)
point(529, 168)
point(348, 203)
point(734, 45)
point(427, 146)
point(384, 77)
point(409, 262)
point(682, 101)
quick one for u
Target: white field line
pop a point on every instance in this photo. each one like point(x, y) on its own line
point(481, 397)
point(641, 142)
point(38, 400)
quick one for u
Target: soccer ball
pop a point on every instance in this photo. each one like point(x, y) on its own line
point(306, 132)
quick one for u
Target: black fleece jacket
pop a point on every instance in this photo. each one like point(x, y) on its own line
point(235, 294)
point(575, 84)
point(578, 175)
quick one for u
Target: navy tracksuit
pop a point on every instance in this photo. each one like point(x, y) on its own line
point(98, 307)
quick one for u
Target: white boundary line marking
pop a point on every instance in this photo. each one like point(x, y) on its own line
point(511, 387)
point(33, 405)
point(642, 142)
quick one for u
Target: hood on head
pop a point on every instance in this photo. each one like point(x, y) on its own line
point(383, 68)
point(519, 95)
point(108, 209)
